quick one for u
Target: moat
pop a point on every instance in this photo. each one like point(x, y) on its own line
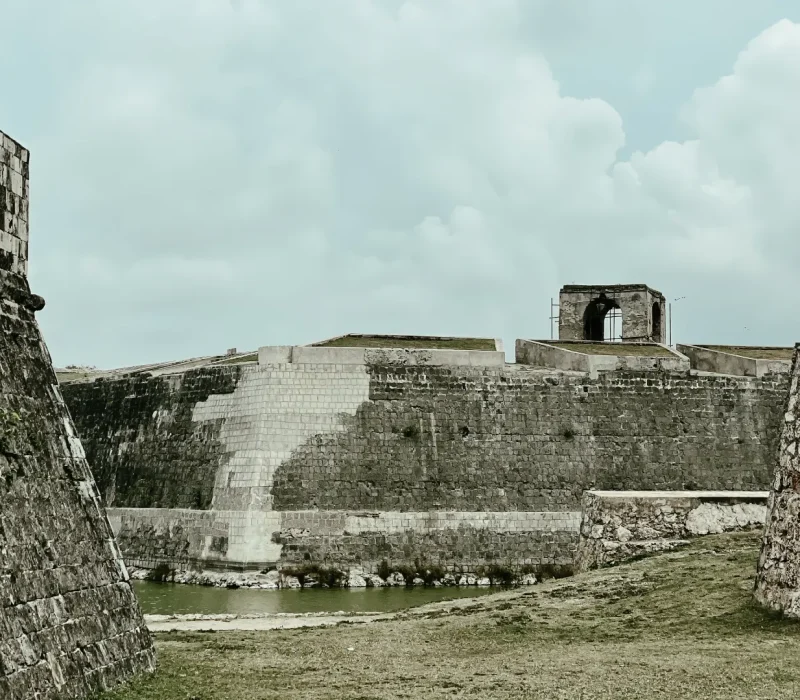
point(177, 599)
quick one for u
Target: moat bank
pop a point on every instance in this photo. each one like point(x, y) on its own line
point(177, 599)
point(652, 629)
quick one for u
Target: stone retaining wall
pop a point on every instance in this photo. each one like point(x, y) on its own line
point(617, 526)
point(778, 580)
point(250, 541)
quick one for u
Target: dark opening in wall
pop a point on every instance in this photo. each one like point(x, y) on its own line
point(595, 325)
point(656, 322)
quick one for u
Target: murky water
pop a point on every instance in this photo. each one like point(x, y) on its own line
point(173, 599)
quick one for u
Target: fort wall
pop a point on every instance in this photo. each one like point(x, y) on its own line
point(778, 580)
point(349, 456)
point(69, 623)
point(617, 526)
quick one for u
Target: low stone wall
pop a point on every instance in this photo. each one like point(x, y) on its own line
point(186, 539)
point(543, 354)
point(708, 360)
point(621, 525)
point(410, 357)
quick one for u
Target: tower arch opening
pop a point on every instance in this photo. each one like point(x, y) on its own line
point(602, 320)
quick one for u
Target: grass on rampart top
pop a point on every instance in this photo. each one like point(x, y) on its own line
point(618, 349)
point(677, 625)
point(382, 341)
point(754, 352)
point(249, 357)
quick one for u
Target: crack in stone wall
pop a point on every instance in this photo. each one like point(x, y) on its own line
point(778, 579)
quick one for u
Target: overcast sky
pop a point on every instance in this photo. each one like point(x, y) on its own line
point(216, 173)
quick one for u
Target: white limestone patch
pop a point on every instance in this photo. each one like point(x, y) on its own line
point(274, 410)
point(714, 518)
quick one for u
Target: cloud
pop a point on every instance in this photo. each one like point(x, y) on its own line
point(214, 174)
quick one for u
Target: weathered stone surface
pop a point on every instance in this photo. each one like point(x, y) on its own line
point(778, 580)
point(643, 311)
point(160, 457)
point(347, 464)
point(617, 526)
point(69, 623)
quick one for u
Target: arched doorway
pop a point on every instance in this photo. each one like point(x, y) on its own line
point(656, 322)
point(598, 323)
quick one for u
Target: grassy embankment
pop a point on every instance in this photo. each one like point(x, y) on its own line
point(680, 625)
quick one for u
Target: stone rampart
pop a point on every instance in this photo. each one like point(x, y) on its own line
point(778, 580)
point(617, 526)
point(402, 437)
point(69, 623)
point(709, 360)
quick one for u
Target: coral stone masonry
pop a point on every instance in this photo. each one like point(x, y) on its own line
point(69, 623)
point(364, 457)
point(778, 581)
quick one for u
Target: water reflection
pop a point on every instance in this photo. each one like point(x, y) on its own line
point(169, 599)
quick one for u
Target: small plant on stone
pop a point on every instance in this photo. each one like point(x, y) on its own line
point(411, 432)
point(161, 574)
point(326, 576)
point(384, 570)
point(498, 575)
point(10, 426)
point(548, 571)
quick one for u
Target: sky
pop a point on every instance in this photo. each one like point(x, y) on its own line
point(209, 174)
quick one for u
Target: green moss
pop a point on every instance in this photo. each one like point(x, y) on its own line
point(10, 429)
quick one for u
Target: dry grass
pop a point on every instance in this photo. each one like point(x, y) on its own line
point(754, 352)
point(249, 357)
point(617, 349)
point(416, 342)
point(679, 625)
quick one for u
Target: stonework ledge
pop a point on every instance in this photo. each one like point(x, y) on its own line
point(618, 526)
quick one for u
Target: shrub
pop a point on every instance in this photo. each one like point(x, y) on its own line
point(161, 574)
point(384, 571)
point(333, 578)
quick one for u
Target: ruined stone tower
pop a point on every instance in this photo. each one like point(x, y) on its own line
point(778, 580)
point(583, 310)
point(69, 623)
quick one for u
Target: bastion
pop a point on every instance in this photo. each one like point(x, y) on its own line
point(69, 623)
point(778, 580)
point(363, 452)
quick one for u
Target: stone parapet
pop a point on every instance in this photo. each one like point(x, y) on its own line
point(14, 161)
point(720, 362)
point(617, 526)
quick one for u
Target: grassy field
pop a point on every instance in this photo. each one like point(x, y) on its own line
point(416, 342)
point(679, 625)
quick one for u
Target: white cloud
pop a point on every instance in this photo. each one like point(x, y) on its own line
point(252, 172)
